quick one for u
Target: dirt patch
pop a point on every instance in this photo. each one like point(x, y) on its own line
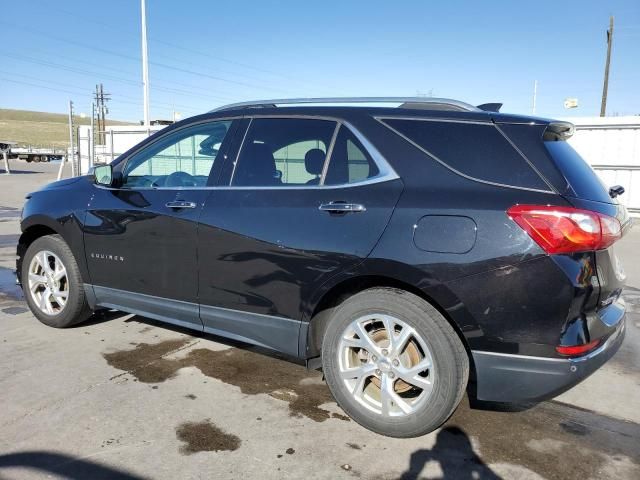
point(205, 437)
point(252, 372)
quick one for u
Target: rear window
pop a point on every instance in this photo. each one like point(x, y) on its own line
point(349, 161)
point(584, 181)
point(476, 150)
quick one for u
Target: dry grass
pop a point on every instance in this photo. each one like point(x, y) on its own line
point(39, 129)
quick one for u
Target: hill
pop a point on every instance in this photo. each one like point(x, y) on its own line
point(40, 129)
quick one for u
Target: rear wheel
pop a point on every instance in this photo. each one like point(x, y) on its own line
point(394, 363)
point(52, 284)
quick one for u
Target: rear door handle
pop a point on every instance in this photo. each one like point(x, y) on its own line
point(342, 207)
point(180, 204)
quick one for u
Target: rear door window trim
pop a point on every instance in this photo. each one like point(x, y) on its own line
point(386, 172)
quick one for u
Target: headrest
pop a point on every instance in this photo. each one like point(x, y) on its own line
point(314, 161)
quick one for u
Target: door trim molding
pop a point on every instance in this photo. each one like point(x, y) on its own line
point(276, 333)
point(176, 312)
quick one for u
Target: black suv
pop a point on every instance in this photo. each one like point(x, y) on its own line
point(410, 252)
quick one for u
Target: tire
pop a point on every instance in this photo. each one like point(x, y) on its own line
point(411, 410)
point(75, 308)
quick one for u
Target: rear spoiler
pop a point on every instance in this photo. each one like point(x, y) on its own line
point(558, 131)
point(490, 107)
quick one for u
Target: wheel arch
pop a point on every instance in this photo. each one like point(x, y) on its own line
point(345, 288)
point(33, 228)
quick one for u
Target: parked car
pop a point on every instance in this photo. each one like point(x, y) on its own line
point(413, 253)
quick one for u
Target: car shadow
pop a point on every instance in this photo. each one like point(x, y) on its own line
point(64, 465)
point(454, 454)
point(214, 338)
point(101, 316)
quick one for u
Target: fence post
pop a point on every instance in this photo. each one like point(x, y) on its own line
point(6, 162)
point(111, 139)
point(92, 138)
point(78, 163)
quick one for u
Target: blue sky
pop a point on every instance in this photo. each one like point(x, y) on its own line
point(207, 53)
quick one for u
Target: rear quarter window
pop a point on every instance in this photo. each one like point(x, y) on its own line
point(583, 180)
point(475, 150)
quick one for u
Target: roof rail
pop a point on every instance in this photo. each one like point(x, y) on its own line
point(405, 102)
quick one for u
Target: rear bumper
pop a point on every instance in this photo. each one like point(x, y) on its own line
point(518, 378)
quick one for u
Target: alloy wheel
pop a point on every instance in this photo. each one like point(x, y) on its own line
point(386, 365)
point(48, 282)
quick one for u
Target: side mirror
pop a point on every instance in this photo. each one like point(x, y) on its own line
point(103, 175)
point(616, 190)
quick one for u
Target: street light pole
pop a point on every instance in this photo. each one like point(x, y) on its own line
point(145, 63)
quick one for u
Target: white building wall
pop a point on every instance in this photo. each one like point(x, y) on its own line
point(611, 145)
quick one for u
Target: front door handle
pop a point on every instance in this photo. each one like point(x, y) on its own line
point(342, 207)
point(180, 204)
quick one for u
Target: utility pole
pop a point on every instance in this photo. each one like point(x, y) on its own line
point(535, 96)
point(101, 111)
point(145, 63)
point(605, 88)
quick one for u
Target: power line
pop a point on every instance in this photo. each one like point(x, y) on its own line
point(193, 88)
point(76, 92)
point(137, 59)
point(95, 74)
point(183, 48)
point(116, 96)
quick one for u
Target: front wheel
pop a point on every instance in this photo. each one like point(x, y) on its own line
point(393, 362)
point(52, 283)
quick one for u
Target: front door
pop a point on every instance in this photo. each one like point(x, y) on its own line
point(304, 200)
point(141, 238)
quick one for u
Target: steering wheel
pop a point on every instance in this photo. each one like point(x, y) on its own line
point(179, 179)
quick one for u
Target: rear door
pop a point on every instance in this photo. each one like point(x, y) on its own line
point(302, 200)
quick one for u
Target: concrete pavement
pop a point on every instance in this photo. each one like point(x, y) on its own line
point(123, 396)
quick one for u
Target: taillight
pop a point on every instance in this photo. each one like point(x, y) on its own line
point(566, 229)
point(574, 350)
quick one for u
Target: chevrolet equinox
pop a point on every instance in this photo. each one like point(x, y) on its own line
point(412, 252)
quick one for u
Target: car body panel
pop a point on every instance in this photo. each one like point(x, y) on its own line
point(256, 264)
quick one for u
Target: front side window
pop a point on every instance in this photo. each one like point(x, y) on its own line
point(181, 159)
point(283, 152)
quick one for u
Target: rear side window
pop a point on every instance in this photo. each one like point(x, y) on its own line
point(349, 161)
point(584, 181)
point(283, 151)
point(476, 150)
